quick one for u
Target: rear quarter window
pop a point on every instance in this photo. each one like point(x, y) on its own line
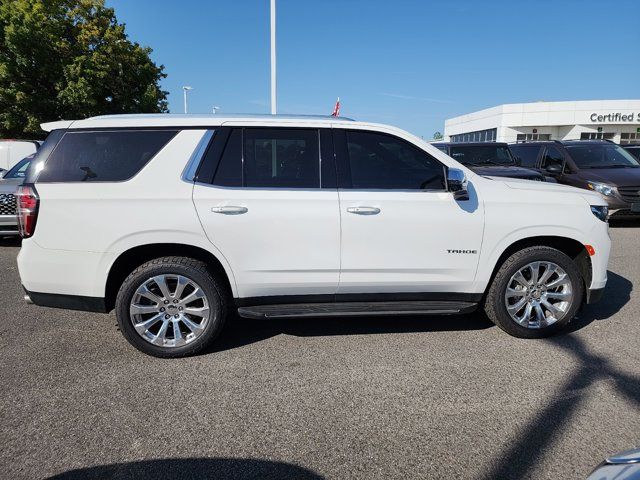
point(103, 156)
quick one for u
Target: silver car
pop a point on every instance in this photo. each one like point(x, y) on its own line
point(9, 183)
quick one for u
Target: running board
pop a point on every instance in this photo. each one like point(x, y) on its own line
point(349, 309)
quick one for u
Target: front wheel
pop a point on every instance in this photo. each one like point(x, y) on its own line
point(171, 307)
point(536, 292)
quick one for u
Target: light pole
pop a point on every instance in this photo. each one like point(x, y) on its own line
point(273, 57)
point(185, 89)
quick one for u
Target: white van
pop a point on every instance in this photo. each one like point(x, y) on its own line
point(12, 151)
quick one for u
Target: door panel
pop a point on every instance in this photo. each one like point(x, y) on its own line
point(265, 211)
point(401, 230)
point(285, 243)
point(406, 246)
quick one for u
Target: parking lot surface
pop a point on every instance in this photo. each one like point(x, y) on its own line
point(395, 397)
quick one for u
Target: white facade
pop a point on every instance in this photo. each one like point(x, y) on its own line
point(617, 120)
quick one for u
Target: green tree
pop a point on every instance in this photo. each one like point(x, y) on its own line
point(437, 136)
point(70, 59)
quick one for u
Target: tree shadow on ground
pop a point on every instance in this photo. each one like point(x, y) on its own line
point(547, 426)
point(193, 469)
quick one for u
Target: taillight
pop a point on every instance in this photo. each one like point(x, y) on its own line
point(27, 203)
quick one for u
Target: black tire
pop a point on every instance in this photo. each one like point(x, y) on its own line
point(187, 267)
point(494, 304)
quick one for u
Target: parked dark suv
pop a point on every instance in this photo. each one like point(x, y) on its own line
point(488, 159)
point(598, 165)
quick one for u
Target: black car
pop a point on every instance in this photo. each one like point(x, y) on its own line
point(599, 165)
point(491, 159)
point(633, 149)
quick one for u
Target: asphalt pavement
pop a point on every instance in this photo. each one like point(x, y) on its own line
point(394, 397)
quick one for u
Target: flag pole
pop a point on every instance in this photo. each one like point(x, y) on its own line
point(273, 57)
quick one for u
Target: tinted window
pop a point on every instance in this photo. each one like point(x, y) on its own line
point(635, 151)
point(526, 154)
point(380, 161)
point(229, 172)
point(482, 154)
point(552, 156)
point(598, 155)
point(103, 156)
point(19, 170)
point(282, 158)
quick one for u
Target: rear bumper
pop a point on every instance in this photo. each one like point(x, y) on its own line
point(8, 225)
point(68, 302)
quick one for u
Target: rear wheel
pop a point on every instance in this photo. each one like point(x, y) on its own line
point(171, 307)
point(536, 292)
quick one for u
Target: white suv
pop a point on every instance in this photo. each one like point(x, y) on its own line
point(177, 222)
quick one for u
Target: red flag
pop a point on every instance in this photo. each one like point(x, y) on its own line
point(336, 109)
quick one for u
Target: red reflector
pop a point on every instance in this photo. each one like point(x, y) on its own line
point(27, 209)
point(590, 250)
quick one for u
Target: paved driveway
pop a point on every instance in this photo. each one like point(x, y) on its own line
point(433, 397)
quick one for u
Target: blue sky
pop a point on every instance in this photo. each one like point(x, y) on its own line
point(407, 63)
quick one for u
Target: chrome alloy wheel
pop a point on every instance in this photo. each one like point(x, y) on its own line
point(169, 310)
point(538, 295)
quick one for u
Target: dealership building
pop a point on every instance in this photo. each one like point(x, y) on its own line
point(617, 120)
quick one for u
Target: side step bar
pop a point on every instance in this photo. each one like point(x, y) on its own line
point(349, 309)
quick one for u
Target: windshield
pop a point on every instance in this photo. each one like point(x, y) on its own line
point(19, 170)
point(601, 156)
point(482, 154)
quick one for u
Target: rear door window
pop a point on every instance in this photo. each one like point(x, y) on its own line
point(103, 156)
point(273, 158)
point(281, 158)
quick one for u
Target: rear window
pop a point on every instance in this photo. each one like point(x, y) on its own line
point(103, 156)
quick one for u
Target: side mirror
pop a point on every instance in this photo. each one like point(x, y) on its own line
point(554, 168)
point(518, 161)
point(457, 184)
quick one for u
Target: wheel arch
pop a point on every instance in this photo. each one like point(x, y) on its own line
point(569, 246)
point(132, 258)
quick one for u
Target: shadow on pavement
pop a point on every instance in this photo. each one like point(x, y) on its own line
point(616, 295)
point(537, 437)
point(192, 469)
point(241, 331)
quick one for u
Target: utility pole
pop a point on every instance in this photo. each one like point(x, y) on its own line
point(273, 57)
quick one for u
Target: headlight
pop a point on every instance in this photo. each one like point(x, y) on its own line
point(600, 211)
point(602, 188)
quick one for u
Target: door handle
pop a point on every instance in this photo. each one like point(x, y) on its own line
point(364, 210)
point(230, 210)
